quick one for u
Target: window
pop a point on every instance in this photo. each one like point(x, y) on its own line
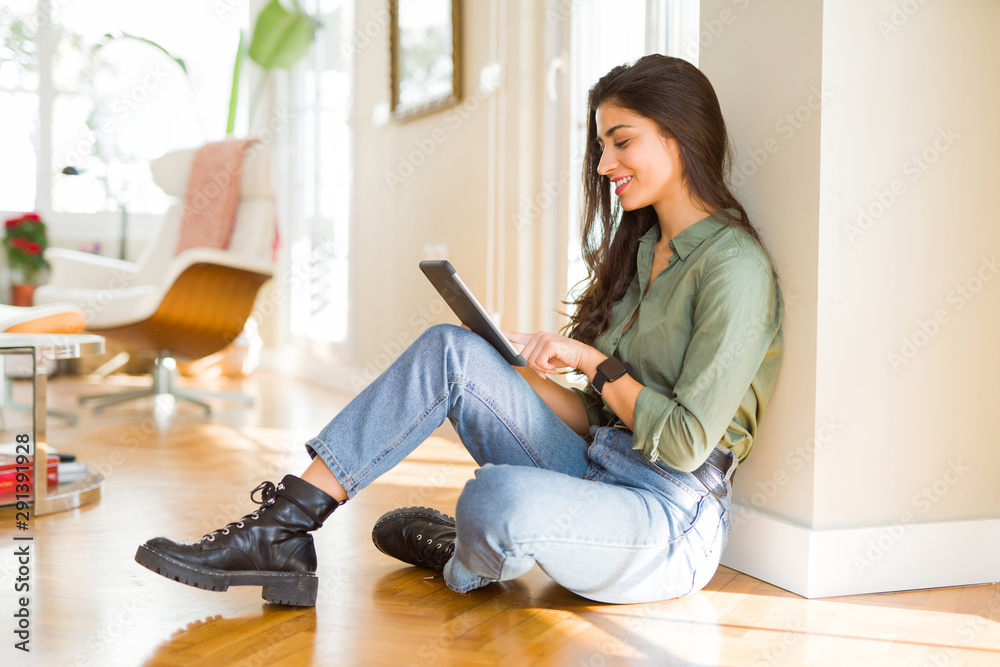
point(321, 182)
point(641, 27)
point(72, 97)
point(18, 105)
point(595, 50)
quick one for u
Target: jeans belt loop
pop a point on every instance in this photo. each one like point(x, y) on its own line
point(710, 472)
point(620, 425)
point(732, 467)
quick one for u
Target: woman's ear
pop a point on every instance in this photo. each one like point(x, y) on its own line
point(671, 146)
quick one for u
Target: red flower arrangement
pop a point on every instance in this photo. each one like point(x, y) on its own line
point(25, 240)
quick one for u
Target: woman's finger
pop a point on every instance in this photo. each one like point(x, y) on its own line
point(531, 349)
point(537, 350)
point(516, 337)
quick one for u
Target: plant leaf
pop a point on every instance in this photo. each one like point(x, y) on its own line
point(235, 92)
point(109, 37)
point(280, 38)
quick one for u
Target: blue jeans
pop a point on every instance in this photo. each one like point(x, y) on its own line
point(600, 520)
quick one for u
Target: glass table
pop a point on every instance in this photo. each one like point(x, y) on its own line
point(40, 347)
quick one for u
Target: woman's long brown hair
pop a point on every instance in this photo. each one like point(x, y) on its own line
point(676, 96)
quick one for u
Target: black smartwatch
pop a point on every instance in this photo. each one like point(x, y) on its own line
point(608, 370)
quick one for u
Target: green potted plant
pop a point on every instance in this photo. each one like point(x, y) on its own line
point(280, 38)
point(25, 240)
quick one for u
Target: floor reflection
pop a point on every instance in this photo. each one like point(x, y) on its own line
point(276, 633)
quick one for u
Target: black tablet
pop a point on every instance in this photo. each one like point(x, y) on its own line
point(444, 278)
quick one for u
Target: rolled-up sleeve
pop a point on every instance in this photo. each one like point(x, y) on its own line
point(736, 316)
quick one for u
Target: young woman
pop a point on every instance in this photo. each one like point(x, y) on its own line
point(619, 492)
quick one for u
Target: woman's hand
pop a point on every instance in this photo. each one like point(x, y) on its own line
point(546, 352)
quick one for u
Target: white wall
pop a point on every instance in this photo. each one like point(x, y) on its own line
point(915, 106)
point(871, 469)
point(441, 201)
point(448, 197)
point(453, 178)
point(746, 53)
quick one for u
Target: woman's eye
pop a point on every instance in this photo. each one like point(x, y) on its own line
point(622, 144)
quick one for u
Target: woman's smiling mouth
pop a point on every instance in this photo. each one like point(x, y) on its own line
point(621, 183)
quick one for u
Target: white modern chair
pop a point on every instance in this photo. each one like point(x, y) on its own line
point(187, 305)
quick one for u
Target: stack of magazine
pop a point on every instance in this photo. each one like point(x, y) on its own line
point(60, 469)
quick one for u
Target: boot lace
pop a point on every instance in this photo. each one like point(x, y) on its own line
point(433, 554)
point(269, 492)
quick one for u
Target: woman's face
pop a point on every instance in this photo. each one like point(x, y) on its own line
point(644, 166)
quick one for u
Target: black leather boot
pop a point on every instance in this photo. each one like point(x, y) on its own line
point(270, 547)
point(416, 535)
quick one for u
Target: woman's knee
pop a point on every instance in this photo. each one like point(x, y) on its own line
point(461, 352)
point(499, 497)
point(444, 337)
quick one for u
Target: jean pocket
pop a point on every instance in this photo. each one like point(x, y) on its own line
point(612, 451)
point(683, 480)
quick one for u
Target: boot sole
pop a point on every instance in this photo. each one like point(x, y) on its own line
point(294, 590)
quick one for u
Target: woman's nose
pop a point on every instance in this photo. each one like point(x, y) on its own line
point(606, 164)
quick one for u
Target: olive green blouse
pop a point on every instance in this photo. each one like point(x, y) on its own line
point(706, 344)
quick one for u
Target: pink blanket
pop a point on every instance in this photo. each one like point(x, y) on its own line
point(213, 195)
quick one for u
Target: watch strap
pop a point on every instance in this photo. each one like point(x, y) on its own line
point(608, 370)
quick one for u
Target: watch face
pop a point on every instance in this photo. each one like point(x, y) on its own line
point(611, 368)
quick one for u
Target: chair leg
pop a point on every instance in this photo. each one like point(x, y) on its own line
point(136, 393)
point(188, 394)
point(164, 376)
point(184, 396)
point(123, 397)
point(68, 417)
point(8, 399)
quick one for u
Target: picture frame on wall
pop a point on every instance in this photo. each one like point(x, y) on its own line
point(424, 56)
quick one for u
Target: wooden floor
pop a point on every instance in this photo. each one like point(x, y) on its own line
point(93, 605)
